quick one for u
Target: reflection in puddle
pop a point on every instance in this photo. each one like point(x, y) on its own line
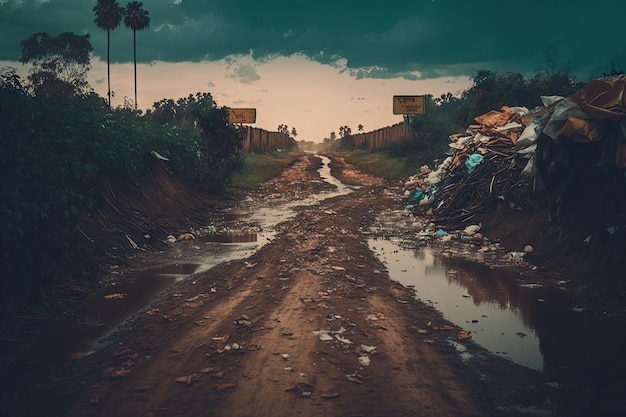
point(484, 305)
point(537, 327)
point(103, 312)
point(231, 236)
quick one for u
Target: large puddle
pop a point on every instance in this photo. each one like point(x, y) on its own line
point(535, 326)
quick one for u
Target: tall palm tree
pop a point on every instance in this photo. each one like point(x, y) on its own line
point(136, 18)
point(108, 17)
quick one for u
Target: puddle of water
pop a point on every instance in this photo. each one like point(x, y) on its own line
point(106, 310)
point(537, 327)
point(232, 236)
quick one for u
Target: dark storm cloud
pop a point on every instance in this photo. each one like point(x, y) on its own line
point(378, 39)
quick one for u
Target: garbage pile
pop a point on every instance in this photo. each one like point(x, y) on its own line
point(571, 150)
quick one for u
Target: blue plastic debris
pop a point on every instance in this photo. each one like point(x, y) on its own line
point(473, 160)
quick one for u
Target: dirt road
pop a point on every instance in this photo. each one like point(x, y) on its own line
point(309, 325)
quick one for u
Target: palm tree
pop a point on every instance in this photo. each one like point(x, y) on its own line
point(108, 17)
point(136, 18)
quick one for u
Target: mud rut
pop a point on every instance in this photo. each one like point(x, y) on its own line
point(238, 340)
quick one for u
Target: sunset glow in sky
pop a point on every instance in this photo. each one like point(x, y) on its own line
point(319, 65)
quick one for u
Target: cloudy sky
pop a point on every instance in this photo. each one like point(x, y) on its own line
point(317, 65)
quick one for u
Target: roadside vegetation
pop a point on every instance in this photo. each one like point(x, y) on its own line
point(60, 144)
point(381, 164)
point(260, 167)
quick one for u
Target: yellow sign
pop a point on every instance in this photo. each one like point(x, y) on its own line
point(408, 104)
point(242, 115)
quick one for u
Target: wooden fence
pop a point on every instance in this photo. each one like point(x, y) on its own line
point(382, 137)
point(260, 140)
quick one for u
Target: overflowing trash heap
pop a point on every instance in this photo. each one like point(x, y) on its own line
point(569, 153)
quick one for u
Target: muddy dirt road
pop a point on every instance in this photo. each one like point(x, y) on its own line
point(308, 325)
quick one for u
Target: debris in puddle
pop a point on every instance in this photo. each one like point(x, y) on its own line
point(116, 295)
point(117, 373)
point(465, 335)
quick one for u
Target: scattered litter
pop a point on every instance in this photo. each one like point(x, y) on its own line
point(364, 360)
point(117, 373)
point(225, 386)
point(304, 389)
point(465, 335)
point(323, 335)
point(355, 377)
point(188, 379)
point(367, 349)
point(186, 236)
point(117, 296)
point(285, 356)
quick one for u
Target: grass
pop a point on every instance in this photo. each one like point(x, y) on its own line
point(381, 164)
point(260, 167)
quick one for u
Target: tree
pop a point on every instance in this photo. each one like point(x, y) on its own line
point(221, 150)
point(360, 127)
point(108, 17)
point(333, 136)
point(294, 132)
point(346, 143)
point(60, 63)
point(283, 129)
point(136, 18)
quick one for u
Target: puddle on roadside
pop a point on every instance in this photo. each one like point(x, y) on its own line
point(78, 333)
point(103, 312)
point(232, 236)
point(535, 326)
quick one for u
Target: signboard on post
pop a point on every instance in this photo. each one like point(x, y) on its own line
point(242, 115)
point(408, 104)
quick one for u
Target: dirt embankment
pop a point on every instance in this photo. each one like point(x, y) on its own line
point(308, 325)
